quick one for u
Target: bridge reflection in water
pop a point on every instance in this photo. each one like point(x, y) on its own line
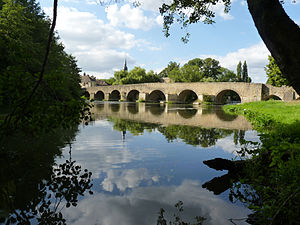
point(165, 114)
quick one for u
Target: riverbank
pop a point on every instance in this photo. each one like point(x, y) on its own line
point(274, 171)
point(267, 114)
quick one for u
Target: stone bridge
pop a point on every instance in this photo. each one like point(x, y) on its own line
point(171, 114)
point(218, 92)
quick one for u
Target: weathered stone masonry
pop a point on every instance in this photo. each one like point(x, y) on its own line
point(177, 92)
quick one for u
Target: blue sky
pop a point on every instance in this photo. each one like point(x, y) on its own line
point(101, 37)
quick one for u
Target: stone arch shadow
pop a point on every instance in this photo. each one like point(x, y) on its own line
point(115, 95)
point(156, 96)
point(99, 96)
point(228, 96)
point(272, 97)
point(133, 96)
point(187, 96)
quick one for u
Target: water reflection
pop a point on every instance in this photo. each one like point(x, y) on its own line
point(139, 164)
point(192, 135)
point(33, 189)
point(206, 116)
point(141, 206)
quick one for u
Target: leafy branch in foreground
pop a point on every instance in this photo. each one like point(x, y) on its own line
point(161, 220)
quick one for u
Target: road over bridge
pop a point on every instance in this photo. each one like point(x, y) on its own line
point(218, 92)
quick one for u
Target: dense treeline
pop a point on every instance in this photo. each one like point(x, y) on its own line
point(24, 32)
point(195, 70)
point(134, 76)
point(204, 70)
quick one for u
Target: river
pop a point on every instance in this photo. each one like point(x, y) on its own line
point(134, 159)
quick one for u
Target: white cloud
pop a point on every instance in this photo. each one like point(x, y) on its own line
point(99, 48)
point(150, 4)
point(256, 57)
point(219, 10)
point(142, 205)
point(133, 18)
point(123, 179)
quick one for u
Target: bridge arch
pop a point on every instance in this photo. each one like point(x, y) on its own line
point(114, 96)
point(272, 97)
point(99, 96)
point(133, 96)
point(187, 96)
point(187, 114)
point(156, 96)
point(157, 109)
point(228, 96)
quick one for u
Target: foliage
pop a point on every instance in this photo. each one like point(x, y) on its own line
point(201, 70)
point(136, 75)
point(273, 171)
point(110, 81)
point(239, 71)
point(194, 135)
point(189, 12)
point(136, 128)
point(190, 135)
point(275, 77)
point(166, 71)
point(161, 220)
point(32, 186)
point(56, 101)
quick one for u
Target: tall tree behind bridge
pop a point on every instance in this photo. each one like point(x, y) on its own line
point(239, 71)
point(245, 76)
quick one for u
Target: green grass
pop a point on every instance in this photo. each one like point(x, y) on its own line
point(267, 113)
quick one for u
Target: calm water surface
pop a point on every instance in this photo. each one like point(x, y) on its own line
point(146, 157)
point(123, 167)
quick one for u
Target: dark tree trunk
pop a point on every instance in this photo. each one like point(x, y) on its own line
point(281, 36)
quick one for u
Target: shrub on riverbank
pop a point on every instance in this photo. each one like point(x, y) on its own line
point(273, 171)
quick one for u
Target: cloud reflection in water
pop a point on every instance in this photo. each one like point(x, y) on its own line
point(141, 206)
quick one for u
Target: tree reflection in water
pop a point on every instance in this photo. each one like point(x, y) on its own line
point(191, 135)
point(32, 187)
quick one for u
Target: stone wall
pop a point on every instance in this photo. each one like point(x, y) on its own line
point(247, 92)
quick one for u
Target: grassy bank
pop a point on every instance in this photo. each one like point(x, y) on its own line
point(267, 114)
point(274, 171)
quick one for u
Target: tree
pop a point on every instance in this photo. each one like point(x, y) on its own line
point(171, 66)
point(273, 25)
point(275, 77)
point(227, 75)
point(239, 71)
point(136, 75)
point(39, 82)
point(202, 70)
point(245, 77)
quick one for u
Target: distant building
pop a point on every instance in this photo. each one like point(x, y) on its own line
point(91, 81)
point(101, 83)
point(88, 81)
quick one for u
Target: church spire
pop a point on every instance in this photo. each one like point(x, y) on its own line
point(125, 66)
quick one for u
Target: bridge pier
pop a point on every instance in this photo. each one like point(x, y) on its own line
point(172, 98)
point(106, 96)
point(143, 96)
point(123, 96)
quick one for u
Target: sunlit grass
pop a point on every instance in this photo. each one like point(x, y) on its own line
point(284, 113)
